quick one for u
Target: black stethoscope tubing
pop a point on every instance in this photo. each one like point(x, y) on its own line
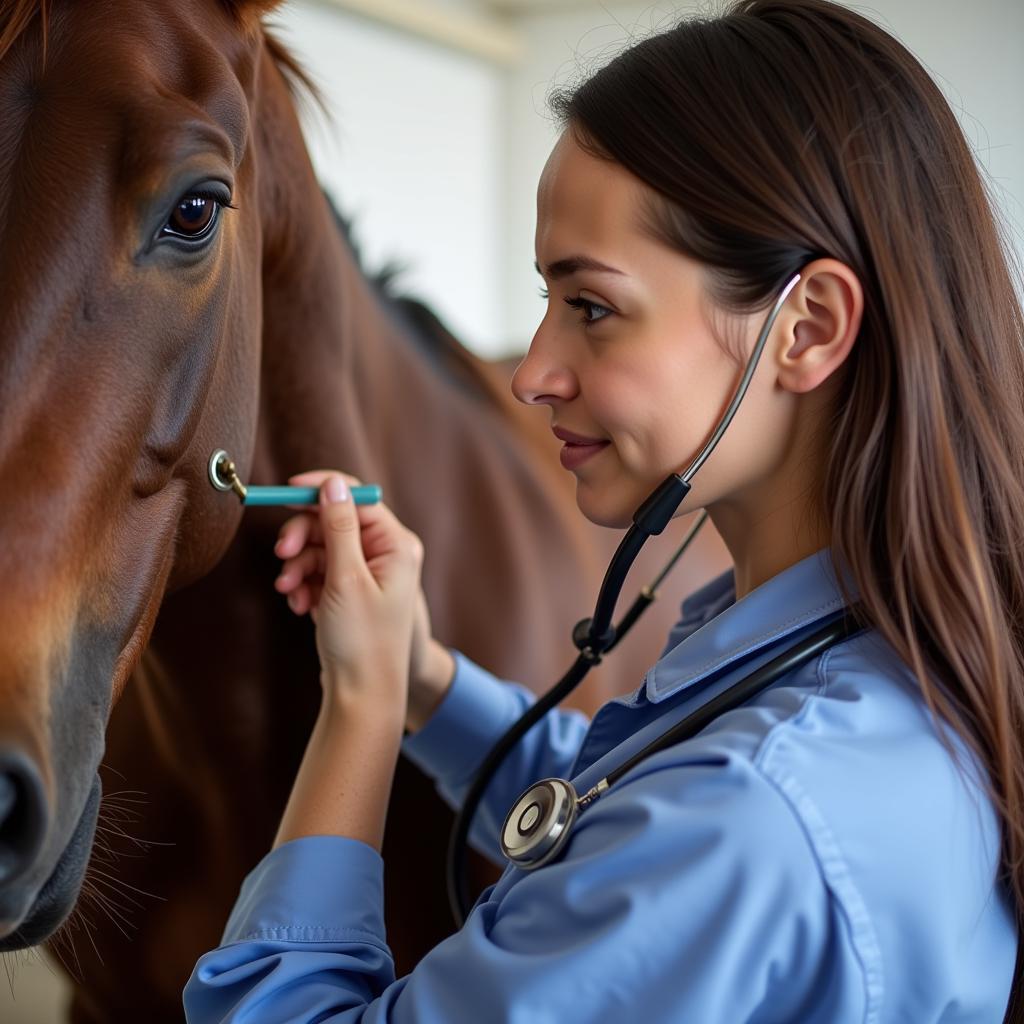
point(538, 826)
point(458, 898)
point(835, 630)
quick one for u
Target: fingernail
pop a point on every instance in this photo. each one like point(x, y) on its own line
point(291, 601)
point(335, 489)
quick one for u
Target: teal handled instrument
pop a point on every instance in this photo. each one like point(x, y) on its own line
point(224, 477)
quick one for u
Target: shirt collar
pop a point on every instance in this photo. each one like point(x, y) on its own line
point(716, 629)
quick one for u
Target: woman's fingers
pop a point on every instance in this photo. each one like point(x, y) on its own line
point(301, 543)
point(377, 523)
point(305, 528)
point(305, 598)
point(292, 536)
point(296, 533)
point(310, 561)
point(315, 477)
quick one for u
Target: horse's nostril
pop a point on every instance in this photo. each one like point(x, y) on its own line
point(22, 814)
point(7, 792)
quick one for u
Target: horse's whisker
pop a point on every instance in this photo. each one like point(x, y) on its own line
point(111, 768)
point(131, 796)
point(111, 885)
point(75, 921)
point(10, 979)
point(88, 933)
point(117, 830)
point(101, 903)
point(152, 895)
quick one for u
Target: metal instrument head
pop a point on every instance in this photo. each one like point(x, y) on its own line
point(538, 827)
point(223, 474)
point(219, 462)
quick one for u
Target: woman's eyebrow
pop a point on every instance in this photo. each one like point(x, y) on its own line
point(563, 268)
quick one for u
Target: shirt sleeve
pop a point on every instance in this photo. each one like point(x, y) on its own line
point(689, 893)
point(472, 717)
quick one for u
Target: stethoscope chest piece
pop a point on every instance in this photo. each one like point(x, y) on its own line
point(539, 824)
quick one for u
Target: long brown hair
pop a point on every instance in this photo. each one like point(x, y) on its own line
point(781, 131)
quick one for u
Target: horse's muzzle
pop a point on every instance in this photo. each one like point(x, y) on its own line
point(23, 817)
point(27, 919)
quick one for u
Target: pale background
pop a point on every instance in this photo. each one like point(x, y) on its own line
point(440, 131)
point(437, 153)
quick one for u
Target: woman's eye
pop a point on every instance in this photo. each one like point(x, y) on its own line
point(592, 311)
point(194, 217)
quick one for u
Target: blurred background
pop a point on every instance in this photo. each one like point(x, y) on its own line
point(437, 131)
point(440, 127)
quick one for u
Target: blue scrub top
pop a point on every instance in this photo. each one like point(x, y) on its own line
point(814, 856)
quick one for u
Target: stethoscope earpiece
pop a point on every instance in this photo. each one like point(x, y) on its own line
point(539, 824)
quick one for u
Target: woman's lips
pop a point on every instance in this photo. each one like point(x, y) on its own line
point(571, 437)
point(573, 455)
point(578, 447)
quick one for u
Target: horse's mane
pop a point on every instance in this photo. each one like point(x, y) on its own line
point(417, 319)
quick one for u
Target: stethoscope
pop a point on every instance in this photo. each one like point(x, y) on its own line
point(540, 823)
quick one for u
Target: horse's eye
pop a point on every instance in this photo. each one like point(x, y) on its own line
point(193, 217)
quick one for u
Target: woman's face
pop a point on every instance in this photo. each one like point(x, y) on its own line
point(625, 352)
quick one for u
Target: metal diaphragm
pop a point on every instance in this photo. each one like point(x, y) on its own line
point(539, 824)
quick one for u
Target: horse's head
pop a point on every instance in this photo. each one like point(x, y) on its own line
point(130, 287)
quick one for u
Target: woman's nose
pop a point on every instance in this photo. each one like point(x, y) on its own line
point(542, 378)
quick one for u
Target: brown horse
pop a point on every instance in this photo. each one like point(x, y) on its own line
point(172, 282)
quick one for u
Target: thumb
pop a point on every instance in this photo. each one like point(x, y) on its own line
point(341, 531)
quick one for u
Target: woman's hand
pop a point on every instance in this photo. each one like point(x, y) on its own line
point(300, 544)
point(356, 569)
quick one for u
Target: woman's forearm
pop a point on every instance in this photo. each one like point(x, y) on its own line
point(344, 782)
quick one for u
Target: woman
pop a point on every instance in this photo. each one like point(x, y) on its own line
point(849, 845)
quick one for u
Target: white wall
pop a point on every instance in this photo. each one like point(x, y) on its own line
point(414, 154)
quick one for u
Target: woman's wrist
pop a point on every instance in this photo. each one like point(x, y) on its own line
point(344, 782)
point(378, 693)
point(428, 689)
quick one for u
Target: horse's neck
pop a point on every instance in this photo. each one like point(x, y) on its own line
point(316, 384)
point(346, 383)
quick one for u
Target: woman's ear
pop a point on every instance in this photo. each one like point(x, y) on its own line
point(823, 319)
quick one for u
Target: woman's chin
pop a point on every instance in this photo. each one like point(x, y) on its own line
point(602, 512)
